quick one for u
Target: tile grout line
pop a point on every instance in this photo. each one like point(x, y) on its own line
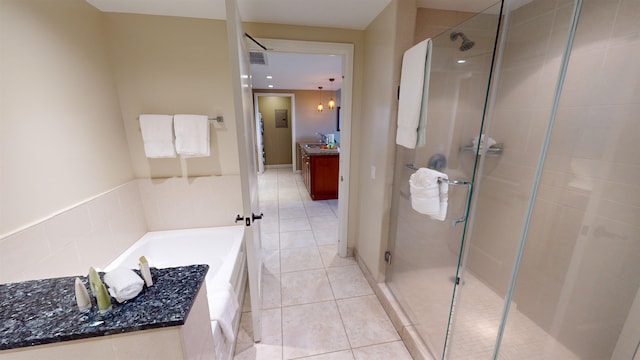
point(280, 275)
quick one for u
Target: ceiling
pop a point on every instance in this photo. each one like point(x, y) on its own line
point(348, 14)
point(289, 71)
point(298, 72)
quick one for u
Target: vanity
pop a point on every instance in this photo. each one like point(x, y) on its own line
point(39, 319)
point(320, 170)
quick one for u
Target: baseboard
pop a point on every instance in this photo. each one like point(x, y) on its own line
point(409, 335)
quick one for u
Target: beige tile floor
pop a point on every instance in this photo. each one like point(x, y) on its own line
point(316, 305)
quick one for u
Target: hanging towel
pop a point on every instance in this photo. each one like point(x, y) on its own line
point(428, 195)
point(124, 284)
point(414, 94)
point(223, 306)
point(157, 135)
point(192, 135)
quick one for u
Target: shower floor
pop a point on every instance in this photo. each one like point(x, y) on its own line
point(425, 296)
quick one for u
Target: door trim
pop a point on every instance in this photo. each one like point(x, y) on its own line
point(344, 50)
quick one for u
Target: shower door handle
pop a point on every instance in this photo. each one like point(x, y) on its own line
point(466, 206)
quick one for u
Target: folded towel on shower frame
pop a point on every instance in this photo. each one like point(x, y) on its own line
point(429, 195)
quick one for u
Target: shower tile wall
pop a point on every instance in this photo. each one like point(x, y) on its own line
point(579, 274)
point(89, 234)
point(587, 216)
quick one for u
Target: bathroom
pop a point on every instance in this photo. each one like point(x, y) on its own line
point(78, 78)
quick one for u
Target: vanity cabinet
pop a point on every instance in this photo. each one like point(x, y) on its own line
point(320, 173)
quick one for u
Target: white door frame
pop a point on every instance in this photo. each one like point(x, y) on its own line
point(293, 120)
point(346, 52)
point(242, 97)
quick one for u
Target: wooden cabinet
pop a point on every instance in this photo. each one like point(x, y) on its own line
point(306, 170)
point(320, 173)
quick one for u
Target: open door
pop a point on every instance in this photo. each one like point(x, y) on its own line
point(243, 106)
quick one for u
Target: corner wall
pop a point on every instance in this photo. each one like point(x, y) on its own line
point(61, 135)
point(386, 39)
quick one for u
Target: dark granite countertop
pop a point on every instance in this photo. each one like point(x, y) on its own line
point(45, 311)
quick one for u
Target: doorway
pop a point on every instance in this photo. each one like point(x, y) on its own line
point(275, 129)
point(345, 51)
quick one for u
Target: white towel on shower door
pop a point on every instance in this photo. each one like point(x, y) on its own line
point(414, 95)
point(192, 135)
point(429, 196)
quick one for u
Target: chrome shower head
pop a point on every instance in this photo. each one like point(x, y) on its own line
point(466, 43)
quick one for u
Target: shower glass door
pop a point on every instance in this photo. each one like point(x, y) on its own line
point(426, 253)
point(525, 85)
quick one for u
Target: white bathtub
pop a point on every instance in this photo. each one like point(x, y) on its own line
point(219, 247)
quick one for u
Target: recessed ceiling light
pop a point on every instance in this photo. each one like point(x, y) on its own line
point(270, 86)
point(461, 61)
point(269, 77)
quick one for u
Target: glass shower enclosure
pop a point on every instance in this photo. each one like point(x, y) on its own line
point(535, 104)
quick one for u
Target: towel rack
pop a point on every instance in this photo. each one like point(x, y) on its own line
point(453, 182)
point(216, 118)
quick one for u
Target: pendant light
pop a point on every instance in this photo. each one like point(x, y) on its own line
point(332, 103)
point(320, 107)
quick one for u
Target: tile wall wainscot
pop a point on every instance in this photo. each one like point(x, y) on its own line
point(95, 232)
point(190, 202)
point(91, 233)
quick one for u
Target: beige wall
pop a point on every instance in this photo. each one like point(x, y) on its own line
point(171, 65)
point(277, 141)
point(386, 39)
point(61, 138)
point(308, 120)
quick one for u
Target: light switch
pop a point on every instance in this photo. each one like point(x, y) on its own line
point(373, 172)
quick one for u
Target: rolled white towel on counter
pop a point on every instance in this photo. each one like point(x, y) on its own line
point(428, 195)
point(124, 284)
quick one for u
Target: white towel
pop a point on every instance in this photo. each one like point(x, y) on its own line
point(428, 195)
point(124, 284)
point(157, 135)
point(485, 143)
point(192, 135)
point(414, 95)
point(223, 306)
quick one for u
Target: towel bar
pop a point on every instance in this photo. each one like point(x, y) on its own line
point(453, 182)
point(217, 118)
point(448, 181)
